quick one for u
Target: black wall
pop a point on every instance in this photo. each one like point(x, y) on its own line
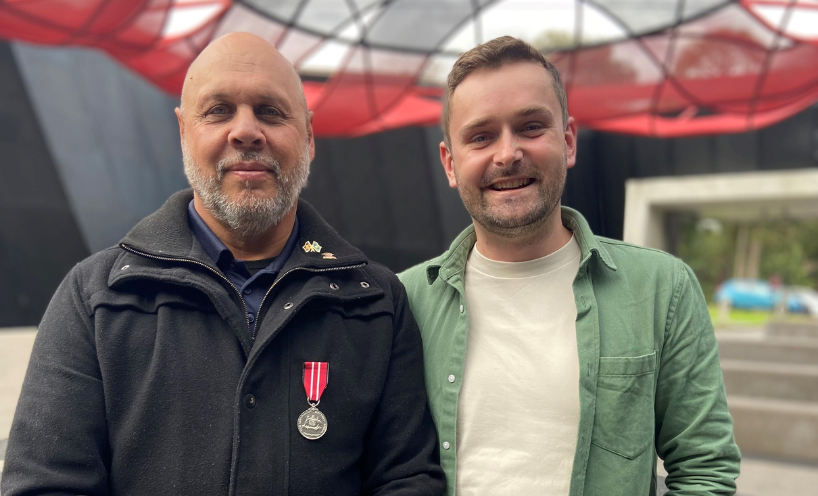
point(387, 195)
point(39, 239)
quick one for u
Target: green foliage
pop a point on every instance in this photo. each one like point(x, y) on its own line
point(554, 40)
point(709, 254)
point(789, 251)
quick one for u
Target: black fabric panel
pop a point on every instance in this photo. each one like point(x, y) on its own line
point(453, 215)
point(788, 144)
point(737, 152)
point(39, 238)
point(380, 194)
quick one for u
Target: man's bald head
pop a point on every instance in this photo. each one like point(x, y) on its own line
point(246, 135)
point(234, 52)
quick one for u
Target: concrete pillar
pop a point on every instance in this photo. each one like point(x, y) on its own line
point(740, 262)
point(754, 254)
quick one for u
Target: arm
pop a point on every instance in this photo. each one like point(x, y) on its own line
point(59, 442)
point(694, 431)
point(401, 452)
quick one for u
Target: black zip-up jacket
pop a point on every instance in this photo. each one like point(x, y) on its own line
point(145, 380)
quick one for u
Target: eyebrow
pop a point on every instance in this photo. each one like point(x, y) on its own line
point(534, 109)
point(219, 95)
point(475, 124)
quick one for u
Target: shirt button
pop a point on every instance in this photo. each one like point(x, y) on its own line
point(248, 291)
point(333, 286)
point(446, 445)
point(251, 317)
point(451, 378)
point(462, 309)
point(250, 401)
point(288, 305)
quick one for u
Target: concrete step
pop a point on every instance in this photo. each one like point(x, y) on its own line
point(786, 430)
point(793, 329)
point(782, 381)
point(796, 350)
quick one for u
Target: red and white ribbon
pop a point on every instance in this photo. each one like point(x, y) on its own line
point(316, 376)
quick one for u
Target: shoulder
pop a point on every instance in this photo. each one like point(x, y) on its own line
point(85, 279)
point(416, 278)
point(94, 271)
point(641, 270)
point(628, 257)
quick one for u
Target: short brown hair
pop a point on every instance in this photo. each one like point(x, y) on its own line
point(493, 55)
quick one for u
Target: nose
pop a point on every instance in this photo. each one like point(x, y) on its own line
point(246, 133)
point(508, 150)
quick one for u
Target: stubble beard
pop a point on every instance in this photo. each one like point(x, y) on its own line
point(250, 214)
point(505, 219)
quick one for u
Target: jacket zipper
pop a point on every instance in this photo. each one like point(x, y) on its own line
point(211, 269)
point(261, 305)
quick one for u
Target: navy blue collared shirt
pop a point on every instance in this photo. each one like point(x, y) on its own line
point(252, 287)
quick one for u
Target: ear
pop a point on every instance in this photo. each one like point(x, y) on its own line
point(310, 135)
point(181, 125)
point(571, 143)
point(448, 164)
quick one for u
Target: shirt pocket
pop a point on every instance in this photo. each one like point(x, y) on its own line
point(623, 423)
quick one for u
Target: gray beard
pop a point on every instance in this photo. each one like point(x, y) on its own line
point(249, 215)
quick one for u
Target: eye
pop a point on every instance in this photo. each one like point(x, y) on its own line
point(532, 127)
point(268, 111)
point(480, 138)
point(217, 111)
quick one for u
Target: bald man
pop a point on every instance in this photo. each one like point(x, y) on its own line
point(232, 343)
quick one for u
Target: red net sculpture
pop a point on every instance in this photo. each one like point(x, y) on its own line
point(649, 67)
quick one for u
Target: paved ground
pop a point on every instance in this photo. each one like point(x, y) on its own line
point(758, 477)
point(15, 349)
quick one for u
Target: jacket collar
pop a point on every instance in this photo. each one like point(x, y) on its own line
point(453, 262)
point(166, 234)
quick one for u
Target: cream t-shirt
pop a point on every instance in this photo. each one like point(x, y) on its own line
point(518, 412)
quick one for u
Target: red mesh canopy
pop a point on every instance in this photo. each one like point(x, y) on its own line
point(649, 67)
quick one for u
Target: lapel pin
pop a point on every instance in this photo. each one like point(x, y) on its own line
point(329, 256)
point(312, 247)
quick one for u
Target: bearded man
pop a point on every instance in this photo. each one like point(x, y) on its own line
point(232, 343)
point(557, 362)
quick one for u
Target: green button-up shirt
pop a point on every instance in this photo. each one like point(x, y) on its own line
point(650, 382)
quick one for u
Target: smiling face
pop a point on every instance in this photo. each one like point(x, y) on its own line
point(246, 134)
point(509, 148)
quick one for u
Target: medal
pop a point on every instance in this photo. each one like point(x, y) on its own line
point(312, 424)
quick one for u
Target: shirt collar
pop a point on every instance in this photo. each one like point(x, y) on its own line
point(454, 260)
point(211, 244)
point(220, 254)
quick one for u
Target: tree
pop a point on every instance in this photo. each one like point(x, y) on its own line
point(721, 53)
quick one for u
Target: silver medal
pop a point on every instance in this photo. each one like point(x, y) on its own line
point(312, 424)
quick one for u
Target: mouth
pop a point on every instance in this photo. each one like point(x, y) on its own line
point(511, 184)
point(249, 171)
point(248, 167)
